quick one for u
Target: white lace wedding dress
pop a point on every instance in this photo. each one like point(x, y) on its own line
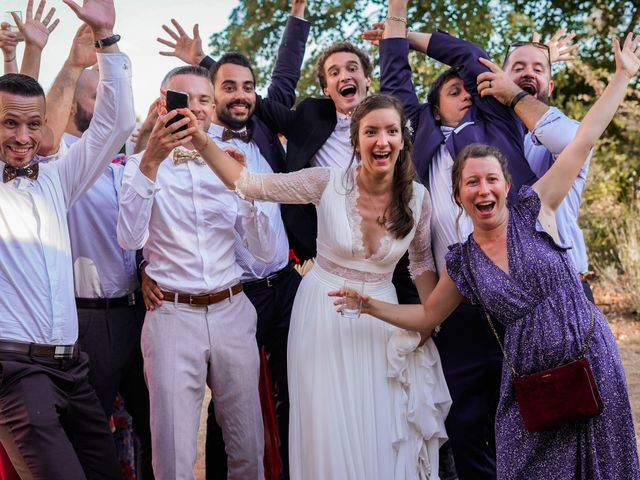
point(366, 402)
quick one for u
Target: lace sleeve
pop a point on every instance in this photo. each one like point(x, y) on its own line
point(420, 254)
point(303, 186)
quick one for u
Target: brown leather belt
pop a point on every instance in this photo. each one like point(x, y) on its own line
point(57, 352)
point(202, 300)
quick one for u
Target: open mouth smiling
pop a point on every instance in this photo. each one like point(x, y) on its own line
point(485, 207)
point(381, 155)
point(529, 87)
point(348, 91)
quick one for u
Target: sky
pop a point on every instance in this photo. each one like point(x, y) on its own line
point(139, 22)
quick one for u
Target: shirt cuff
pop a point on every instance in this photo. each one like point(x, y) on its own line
point(114, 65)
point(143, 186)
point(299, 18)
point(550, 116)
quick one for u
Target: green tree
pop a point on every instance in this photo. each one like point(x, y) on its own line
point(255, 28)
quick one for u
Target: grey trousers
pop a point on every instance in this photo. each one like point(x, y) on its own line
point(185, 347)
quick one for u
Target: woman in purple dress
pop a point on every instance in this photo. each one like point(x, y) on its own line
point(513, 263)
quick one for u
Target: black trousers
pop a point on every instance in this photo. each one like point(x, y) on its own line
point(472, 365)
point(273, 305)
point(51, 422)
point(111, 338)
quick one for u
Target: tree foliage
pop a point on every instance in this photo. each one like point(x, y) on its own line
point(255, 28)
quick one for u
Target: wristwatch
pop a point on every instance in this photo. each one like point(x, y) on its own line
point(105, 42)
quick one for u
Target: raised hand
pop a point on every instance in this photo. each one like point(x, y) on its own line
point(187, 49)
point(627, 61)
point(83, 53)
point(496, 83)
point(560, 47)
point(375, 34)
point(100, 15)
point(298, 8)
point(8, 43)
point(34, 29)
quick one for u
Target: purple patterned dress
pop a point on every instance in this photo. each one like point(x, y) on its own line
point(546, 314)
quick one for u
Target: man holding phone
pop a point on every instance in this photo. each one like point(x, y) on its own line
point(204, 330)
point(271, 286)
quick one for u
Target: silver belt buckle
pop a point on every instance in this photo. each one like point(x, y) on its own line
point(63, 352)
point(132, 299)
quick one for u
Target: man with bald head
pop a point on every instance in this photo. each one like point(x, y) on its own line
point(110, 307)
point(525, 84)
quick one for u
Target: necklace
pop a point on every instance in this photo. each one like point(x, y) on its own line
point(382, 218)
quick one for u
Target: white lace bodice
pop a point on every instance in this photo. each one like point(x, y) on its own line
point(341, 249)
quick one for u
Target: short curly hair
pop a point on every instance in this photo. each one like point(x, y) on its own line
point(337, 47)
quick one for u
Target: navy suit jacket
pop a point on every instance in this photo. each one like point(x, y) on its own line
point(281, 91)
point(487, 121)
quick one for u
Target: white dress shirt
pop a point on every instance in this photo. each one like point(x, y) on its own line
point(449, 223)
point(337, 150)
point(254, 269)
point(553, 132)
point(36, 281)
point(186, 222)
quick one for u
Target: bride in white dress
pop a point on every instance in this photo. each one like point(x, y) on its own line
point(367, 400)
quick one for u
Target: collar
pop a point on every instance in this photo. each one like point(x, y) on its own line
point(343, 122)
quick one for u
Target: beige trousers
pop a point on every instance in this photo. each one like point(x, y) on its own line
point(185, 347)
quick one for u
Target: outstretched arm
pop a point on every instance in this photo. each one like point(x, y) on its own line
point(61, 93)
point(554, 185)
point(418, 318)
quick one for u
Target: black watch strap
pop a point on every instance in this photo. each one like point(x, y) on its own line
point(514, 101)
point(105, 42)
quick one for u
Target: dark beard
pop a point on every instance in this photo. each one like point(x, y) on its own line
point(228, 121)
point(82, 118)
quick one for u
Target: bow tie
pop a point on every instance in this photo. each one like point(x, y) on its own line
point(244, 135)
point(343, 123)
point(181, 156)
point(10, 172)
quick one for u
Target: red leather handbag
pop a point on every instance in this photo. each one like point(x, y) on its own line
point(559, 395)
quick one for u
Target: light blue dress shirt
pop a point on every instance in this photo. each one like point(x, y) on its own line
point(254, 269)
point(553, 132)
point(101, 269)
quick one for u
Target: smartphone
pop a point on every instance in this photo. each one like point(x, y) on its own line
point(177, 100)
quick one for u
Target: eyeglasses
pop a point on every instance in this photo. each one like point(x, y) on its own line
point(517, 44)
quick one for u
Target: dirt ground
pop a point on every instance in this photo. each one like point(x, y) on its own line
point(626, 329)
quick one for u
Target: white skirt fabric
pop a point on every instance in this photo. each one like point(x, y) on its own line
point(366, 403)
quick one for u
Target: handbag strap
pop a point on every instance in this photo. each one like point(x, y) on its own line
point(592, 319)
